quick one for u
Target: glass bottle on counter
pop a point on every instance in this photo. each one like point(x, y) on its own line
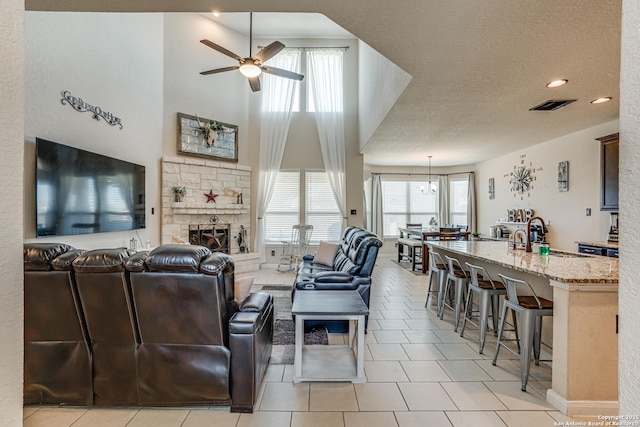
point(544, 249)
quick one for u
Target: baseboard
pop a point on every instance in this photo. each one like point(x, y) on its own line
point(582, 407)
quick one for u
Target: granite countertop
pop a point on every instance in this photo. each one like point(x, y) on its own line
point(608, 245)
point(562, 266)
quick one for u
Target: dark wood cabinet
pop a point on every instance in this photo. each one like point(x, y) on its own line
point(592, 250)
point(609, 158)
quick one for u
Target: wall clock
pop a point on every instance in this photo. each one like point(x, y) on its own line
point(522, 177)
point(521, 180)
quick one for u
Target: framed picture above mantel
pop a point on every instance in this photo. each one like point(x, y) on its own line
point(202, 137)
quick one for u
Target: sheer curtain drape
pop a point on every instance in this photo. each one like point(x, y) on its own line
point(471, 205)
point(277, 102)
point(377, 220)
point(325, 77)
point(443, 200)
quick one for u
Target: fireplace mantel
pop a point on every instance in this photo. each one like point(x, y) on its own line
point(181, 208)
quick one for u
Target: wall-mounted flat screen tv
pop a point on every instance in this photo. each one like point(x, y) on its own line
point(79, 192)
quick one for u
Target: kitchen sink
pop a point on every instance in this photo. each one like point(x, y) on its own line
point(562, 254)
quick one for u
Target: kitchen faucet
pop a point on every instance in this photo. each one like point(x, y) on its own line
point(544, 229)
point(515, 233)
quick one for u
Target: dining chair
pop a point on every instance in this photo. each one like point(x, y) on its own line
point(449, 233)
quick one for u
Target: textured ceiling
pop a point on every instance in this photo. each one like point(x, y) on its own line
point(477, 67)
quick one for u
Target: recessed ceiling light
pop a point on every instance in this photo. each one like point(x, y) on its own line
point(216, 14)
point(601, 100)
point(557, 83)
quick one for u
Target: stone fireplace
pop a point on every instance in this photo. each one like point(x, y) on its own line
point(215, 212)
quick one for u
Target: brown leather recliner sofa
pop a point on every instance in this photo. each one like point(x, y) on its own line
point(163, 328)
point(57, 356)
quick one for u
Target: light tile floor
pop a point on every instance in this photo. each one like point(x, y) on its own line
point(419, 373)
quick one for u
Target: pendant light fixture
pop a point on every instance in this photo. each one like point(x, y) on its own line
point(432, 187)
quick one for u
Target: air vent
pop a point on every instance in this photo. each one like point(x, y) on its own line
point(552, 105)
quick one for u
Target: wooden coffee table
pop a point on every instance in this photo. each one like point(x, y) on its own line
point(329, 362)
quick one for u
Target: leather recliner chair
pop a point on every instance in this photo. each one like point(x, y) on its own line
point(196, 344)
point(105, 296)
point(351, 270)
point(57, 354)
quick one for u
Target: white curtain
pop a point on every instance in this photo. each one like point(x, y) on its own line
point(471, 205)
point(377, 221)
point(277, 102)
point(443, 200)
point(325, 77)
point(366, 203)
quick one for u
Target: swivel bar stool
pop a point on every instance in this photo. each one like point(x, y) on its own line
point(489, 294)
point(532, 309)
point(460, 277)
point(437, 270)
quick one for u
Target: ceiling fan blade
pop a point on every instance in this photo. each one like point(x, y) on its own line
point(268, 52)
point(220, 70)
point(220, 49)
point(254, 82)
point(282, 73)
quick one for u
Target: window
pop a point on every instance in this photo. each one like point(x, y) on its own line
point(458, 200)
point(277, 90)
point(321, 208)
point(324, 93)
point(403, 202)
point(284, 208)
point(328, 64)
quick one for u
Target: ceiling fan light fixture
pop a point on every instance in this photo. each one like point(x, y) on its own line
point(557, 83)
point(250, 70)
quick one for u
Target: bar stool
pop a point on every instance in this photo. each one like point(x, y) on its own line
point(489, 294)
point(461, 278)
point(438, 270)
point(531, 308)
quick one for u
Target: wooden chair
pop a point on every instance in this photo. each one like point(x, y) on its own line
point(449, 233)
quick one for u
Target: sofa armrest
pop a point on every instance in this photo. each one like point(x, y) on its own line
point(333, 277)
point(250, 342)
point(256, 302)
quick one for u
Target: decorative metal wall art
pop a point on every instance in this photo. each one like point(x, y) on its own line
point(78, 104)
point(492, 189)
point(563, 176)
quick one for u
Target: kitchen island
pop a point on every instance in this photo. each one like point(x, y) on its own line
point(584, 289)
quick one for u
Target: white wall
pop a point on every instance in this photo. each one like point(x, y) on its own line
point(629, 292)
point(11, 198)
point(564, 210)
point(380, 82)
point(113, 61)
point(222, 97)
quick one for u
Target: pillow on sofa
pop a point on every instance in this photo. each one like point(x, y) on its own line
point(326, 253)
point(242, 288)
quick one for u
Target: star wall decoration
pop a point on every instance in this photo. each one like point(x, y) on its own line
point(211, 197)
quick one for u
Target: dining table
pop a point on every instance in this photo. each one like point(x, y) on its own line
point(425, 234)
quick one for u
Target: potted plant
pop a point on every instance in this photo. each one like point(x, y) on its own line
point(178, 193)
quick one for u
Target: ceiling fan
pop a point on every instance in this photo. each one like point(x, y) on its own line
point(252, 66)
